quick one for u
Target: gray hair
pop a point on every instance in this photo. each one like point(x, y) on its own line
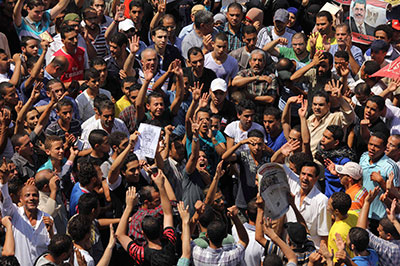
point(203, 16)
point(148, 49)
point(259, 51)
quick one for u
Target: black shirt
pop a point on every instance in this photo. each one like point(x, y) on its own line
point(206, 79)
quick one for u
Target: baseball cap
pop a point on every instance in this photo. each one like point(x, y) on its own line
point(379, 45)
point(219, 84)
point(219, 17)
point(197, 8)
point(281, 15)
point(351, 169)
point(72, 17)
point(126, 25)
point(297, 233)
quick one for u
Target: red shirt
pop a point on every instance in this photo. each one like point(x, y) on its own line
point(76, 64)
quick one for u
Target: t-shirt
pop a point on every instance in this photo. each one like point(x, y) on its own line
point(192, 186)
point(145, 255)
point(226, 71)
point(277, 143)
point(371, 260)
point(86, 103)
point(233, 131)
point(76, 64)
point(342, 227)
point(206, 79)
point(319, 45)
point(290, 54)
point(357, 194)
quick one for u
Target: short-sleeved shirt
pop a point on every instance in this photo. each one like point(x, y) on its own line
point(267, 34)
point(206, 79)
point(55, 129)
point(385, 165)
point(145, 255)
point(357, 194)
point(290, 54)
point(259, 88)
point(233, 131)
point(227, 255)
point(76, 64)
point(342, 227)
point(226, 71)
point(135, 226)
point(34, 29)
point(319, 44)
point(276, 143)
point(192, 186)
point(235, 40)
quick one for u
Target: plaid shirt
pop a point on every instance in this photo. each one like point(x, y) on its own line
point(388, 251)
point(258, 88)
point(231, 254)
point(135, 226)
point(128, 115)
point(234, 40)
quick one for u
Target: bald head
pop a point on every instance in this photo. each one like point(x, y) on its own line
point(42, 179)
point(57, 66)
point(29, 197)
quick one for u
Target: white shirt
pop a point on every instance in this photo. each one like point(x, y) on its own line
point(89, 259)
point(30, 241)
point(119, 125)
point(314, 209)
point(392, 119)
point(85, 103)
point(89, 121)
point(233, 131)
point(226, 71)
point(254, 250)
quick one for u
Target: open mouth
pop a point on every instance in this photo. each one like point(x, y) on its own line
point(202, 164)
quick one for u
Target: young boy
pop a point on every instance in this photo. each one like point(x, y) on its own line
point(98, 140)
point(125, 100)
point(85, 99)
point(65, 127)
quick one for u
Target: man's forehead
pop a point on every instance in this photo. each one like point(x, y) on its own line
point(29, 189)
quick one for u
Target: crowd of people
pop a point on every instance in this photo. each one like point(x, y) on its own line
point(232, 86)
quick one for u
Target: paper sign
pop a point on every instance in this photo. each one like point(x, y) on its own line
point(146, 146)
point(46, 36)
point(273, 188)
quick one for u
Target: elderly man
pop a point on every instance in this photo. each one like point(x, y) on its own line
point(32, 227)
point(358, 24)
point(258, 82)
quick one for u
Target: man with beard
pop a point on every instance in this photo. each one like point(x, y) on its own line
point(94, 32)
point(32, 228)
point(259, 84)
point(234, 27)
point(331, 149)
point(357, 22)
point(242, 54)
point(297, 52)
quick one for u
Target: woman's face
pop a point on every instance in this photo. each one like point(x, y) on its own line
point(292, 20)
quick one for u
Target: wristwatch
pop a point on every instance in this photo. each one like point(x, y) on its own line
point(195, 139)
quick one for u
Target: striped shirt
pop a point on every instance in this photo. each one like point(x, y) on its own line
point(34, 29)
point(55, 129)
point(234, 40)
point(100, 43)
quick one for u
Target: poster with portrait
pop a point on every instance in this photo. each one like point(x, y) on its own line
point(365, 15)
point(273, 188)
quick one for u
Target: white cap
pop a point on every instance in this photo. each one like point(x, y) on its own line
point(219, 84)
point(126, 25)
point(351, 169)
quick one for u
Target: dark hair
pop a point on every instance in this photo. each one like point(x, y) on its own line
point(321, 93)
point(252, 210)
point(342, 54)
point(336, 131)
point(50, 139)
point(130, 158)
point(380, 101)
point(341, 202)
point(136, 3)
point(99, 99)
point(97, 61)
point(15, 139)
point(153, 31)
point(275, 112)
point(66, 29)
point(3, 86)
point(386, 28)
point(151, 227)
point(216, 232)
point(249, 29)
point(311, 164)
point(2, 51)
point(207, 216)
point(344, 25)
point(203, 17)
point(362, 88)
point(53, 81)
point(30, 63)
point(297, 128)
point(34, 3)
point(154, 94)
point(86, 173)
point(15, 185)
point(235, 5)
point(129, 79)
point(25, 39)
point(63, 102)
point(370, 67)
point(326, 14)
point(359, 237)
point(380, 135)
point(221, 36)
point(115, 138)
point(272, 260)
point(119, 38)
point(255, 133)
point(41, 182)
point(78, 227)
point(59, 244)
point(135, 87)
point(92, 73)
point(96, 136)
point(88, 10)
point(9, 261)
point(328, 55)
point(106, 104)
point(194, 51)
point(145, 193)
point(245, 104)
point(58, 61)
point(299, 35)
point(86, 203)
point(299, 159)
point(389, 228)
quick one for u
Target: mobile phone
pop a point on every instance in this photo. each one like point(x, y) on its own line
point(79, 144)
point(154, 170)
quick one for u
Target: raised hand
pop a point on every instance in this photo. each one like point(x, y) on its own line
point(183, 212)
point(195, 126)
point(199, 207)
point(5, 171)
point(161, 6)
point(391, 214)
point(148, 72)
point(283, 41)
point(177, 70)
point(119, 15)
point(113, 239)
point(376, 177)
point(339, 242)
point(53, 183)
point(196, 91)
point(393, 85)
point(313, 40)
point(134, 44)
point(233, 211)
point(18, 107)
point(48, 223)
point(330, 166)
point(343, 71)
point(134, 137)
point(220, 171)
point(372, 194)
point(208, 42)
point(158, 179)
point(131, 197)
point(5, 118)
point(303, 109)
point(326, 42)
point(204, 100)
point(336, 88)
point(318, 58)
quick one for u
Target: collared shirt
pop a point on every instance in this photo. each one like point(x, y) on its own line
point(391, 54)
point(31, 241)
point(357, 193)
point(55, 129)
point(259, 88)
point(118, 126)
point(388, 251)
point(128, 116)
point(267, 34)
point(171, 53)
point(235, 40)
point(174, 172)
point(341, 118)
point(385, 165)
point(86, 103)
point(25, 169)
point(226, 255)
point(76, 193)
point(313, 209)
point(355, 51)
point(55, 208)
point(33, 29)
point(392, 119)
point(254, 250)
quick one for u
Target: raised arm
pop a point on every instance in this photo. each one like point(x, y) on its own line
point(196, 93)
point(9, 243)
point(286, 114)
point(229, 154)
point(214, 184)
point(131, 201)
point(161, 8)
point(271, 46)
point(118, 17)
point(177, 70)
point(117, 164)
point(191, 163)
point(363, 218)
point(57, 9)
point(38, 66)
point(165, 202)
point(5, 120)
point(140, 100)
point(134, 48)
point(8, 208)
point(305, 132)
point(185, 217)
point(318, 58)
point(17, 70)
point(19, 123)
point(44, 117)
point(241, 231)
point(17, 13)
point(106, 258)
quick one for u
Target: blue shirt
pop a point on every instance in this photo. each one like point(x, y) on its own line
point(277, 143)
point(53, 114)
point(332, 182)
point(357, 53)
point(76, 193)
point(370, 260)
point(385, 165)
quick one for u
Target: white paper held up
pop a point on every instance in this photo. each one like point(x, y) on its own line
point(146, 146)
